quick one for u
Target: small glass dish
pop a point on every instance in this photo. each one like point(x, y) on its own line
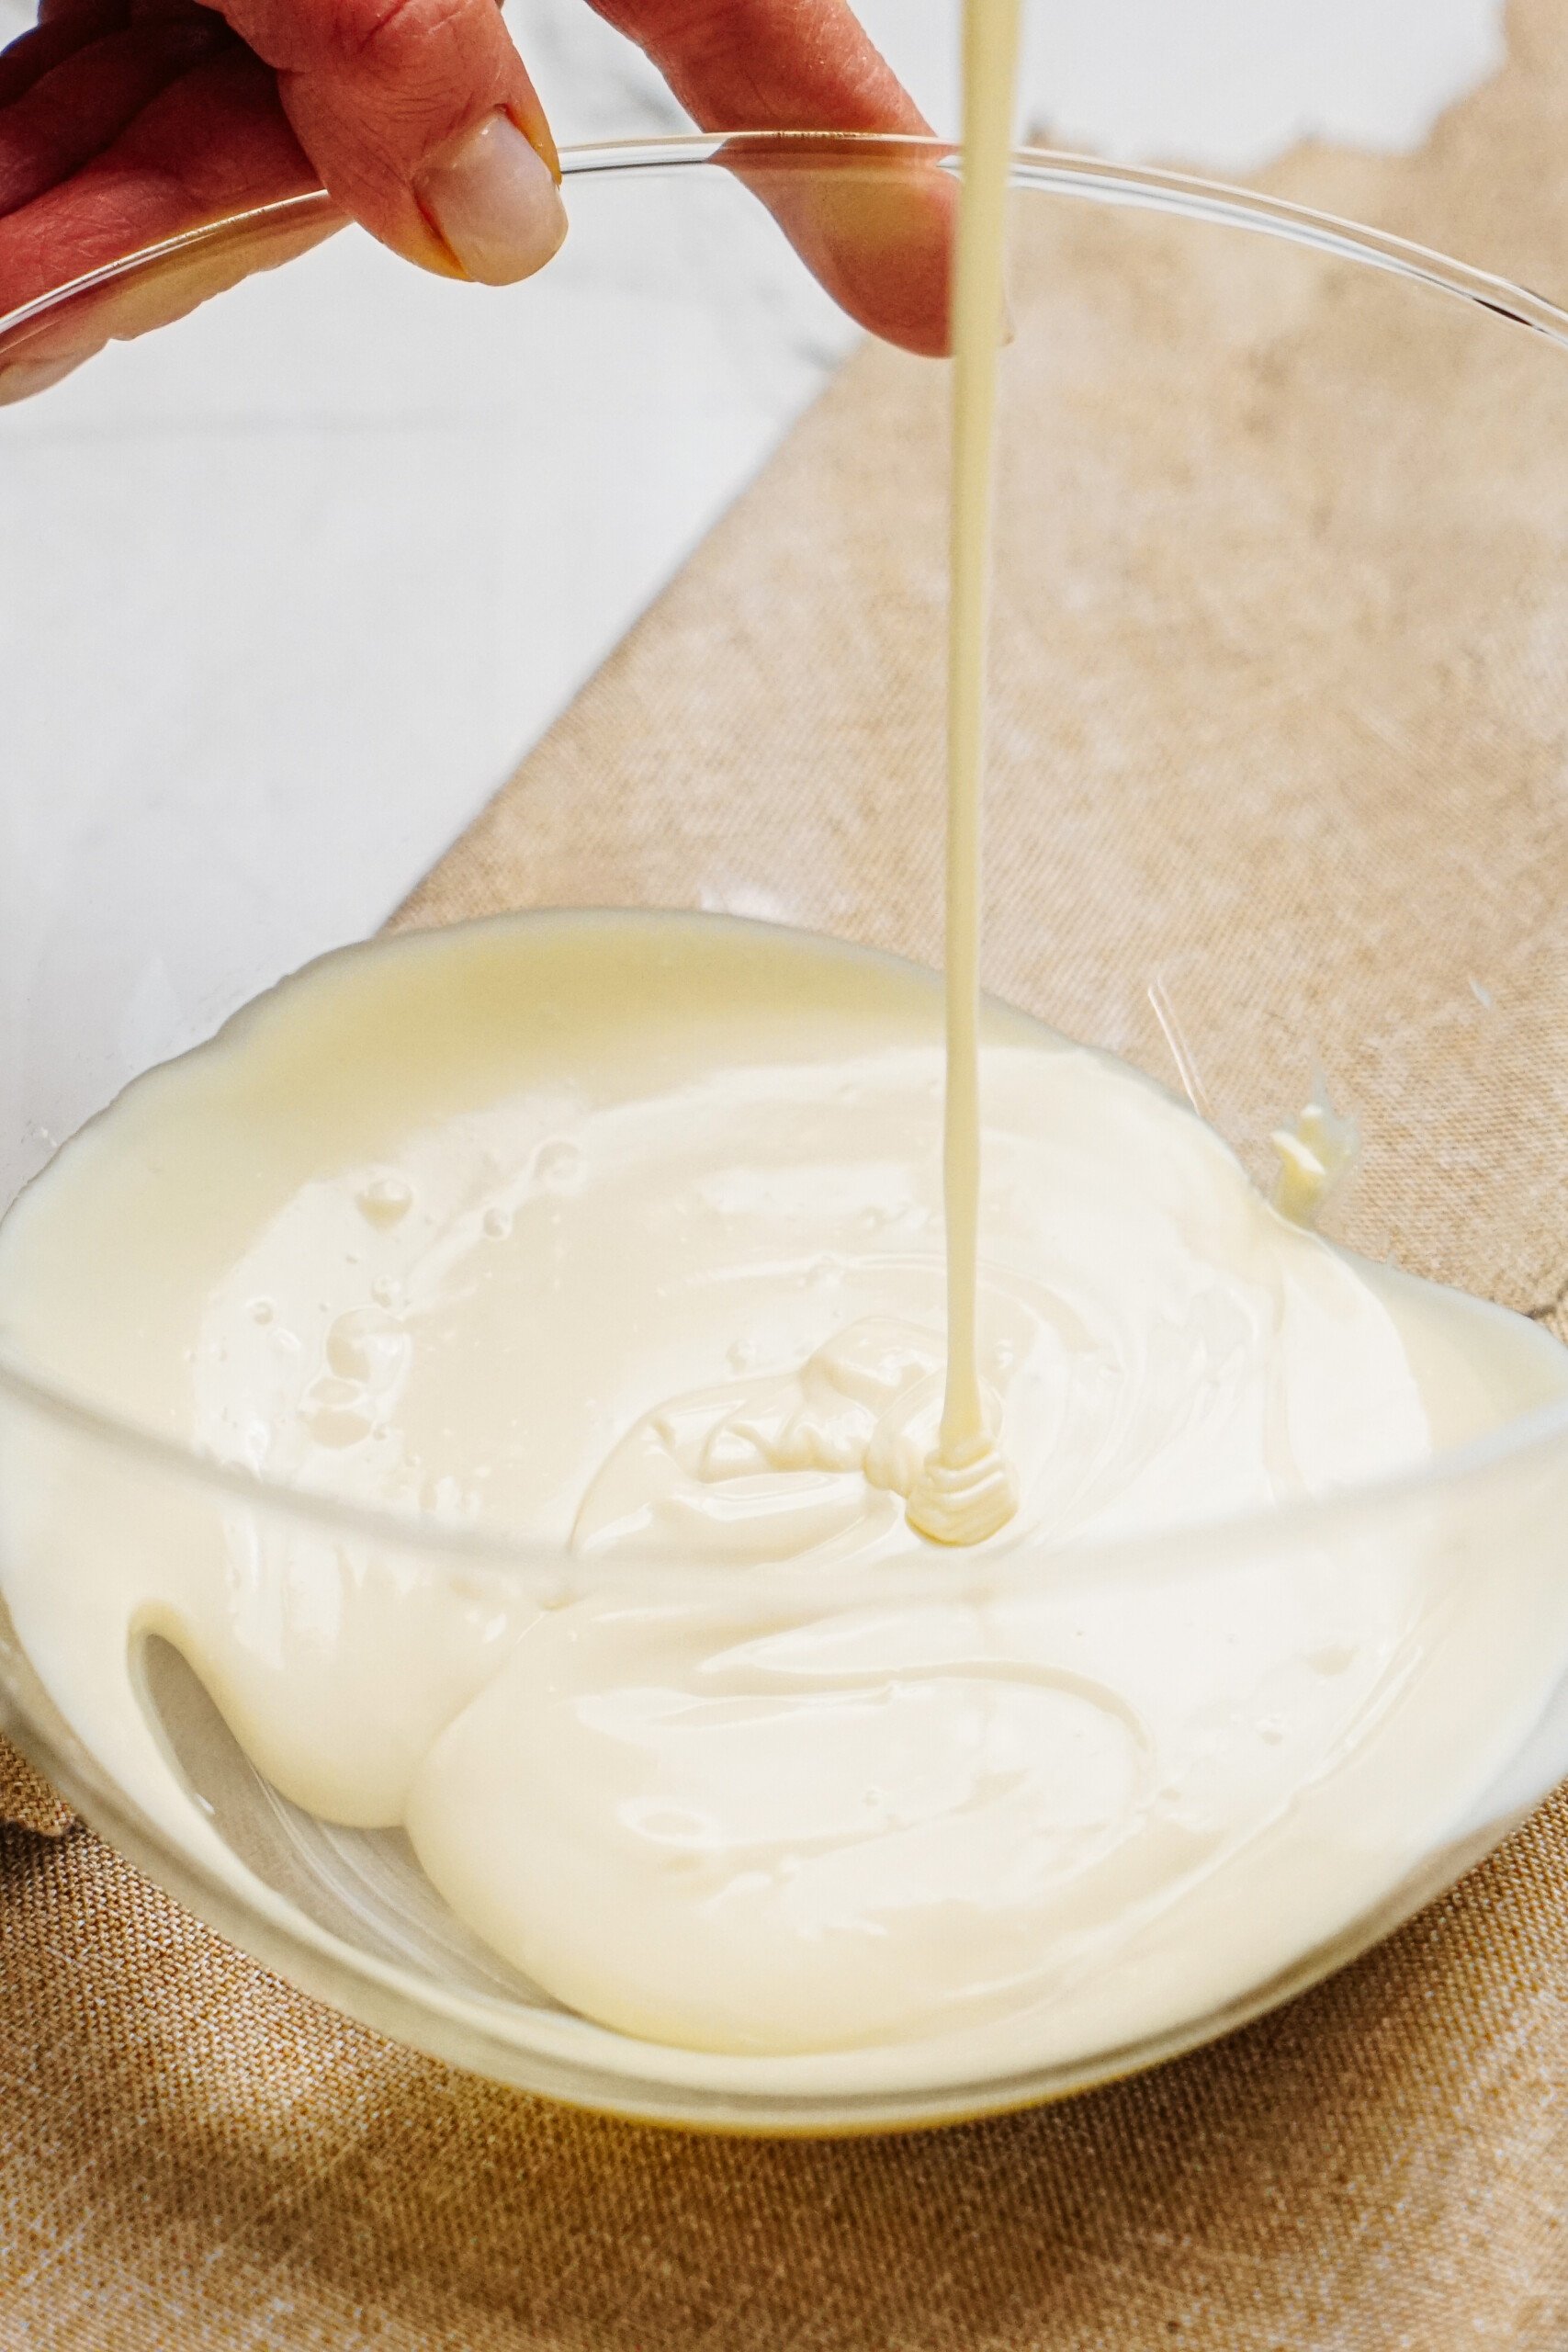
point(1282, 628)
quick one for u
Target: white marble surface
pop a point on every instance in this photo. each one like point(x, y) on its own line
point(290, 587)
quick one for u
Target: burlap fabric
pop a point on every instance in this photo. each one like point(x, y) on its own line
point(195, 2156)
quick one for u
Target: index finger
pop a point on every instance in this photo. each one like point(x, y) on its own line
point(876, 231)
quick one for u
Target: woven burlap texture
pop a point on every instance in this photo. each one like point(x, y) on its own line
point(191, 2155)
point(27, 1797)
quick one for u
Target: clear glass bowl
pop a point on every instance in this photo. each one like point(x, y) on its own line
point(1282, 615)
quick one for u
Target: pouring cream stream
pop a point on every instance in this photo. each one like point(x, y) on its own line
point(966, 1490)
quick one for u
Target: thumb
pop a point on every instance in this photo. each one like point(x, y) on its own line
point(423, 124)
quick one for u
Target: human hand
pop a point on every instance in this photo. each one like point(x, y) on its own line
point(124, 122)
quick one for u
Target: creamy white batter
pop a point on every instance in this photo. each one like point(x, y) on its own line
point(626, 1232)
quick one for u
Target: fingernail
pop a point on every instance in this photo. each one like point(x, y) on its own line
point(493, 203)
point(26, 376)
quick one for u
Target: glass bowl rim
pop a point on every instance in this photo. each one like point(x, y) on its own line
point(1046, 170)
point(1042, 170)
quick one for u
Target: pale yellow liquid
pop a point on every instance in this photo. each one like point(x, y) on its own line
point(968, 1490)
point(624, 1233)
